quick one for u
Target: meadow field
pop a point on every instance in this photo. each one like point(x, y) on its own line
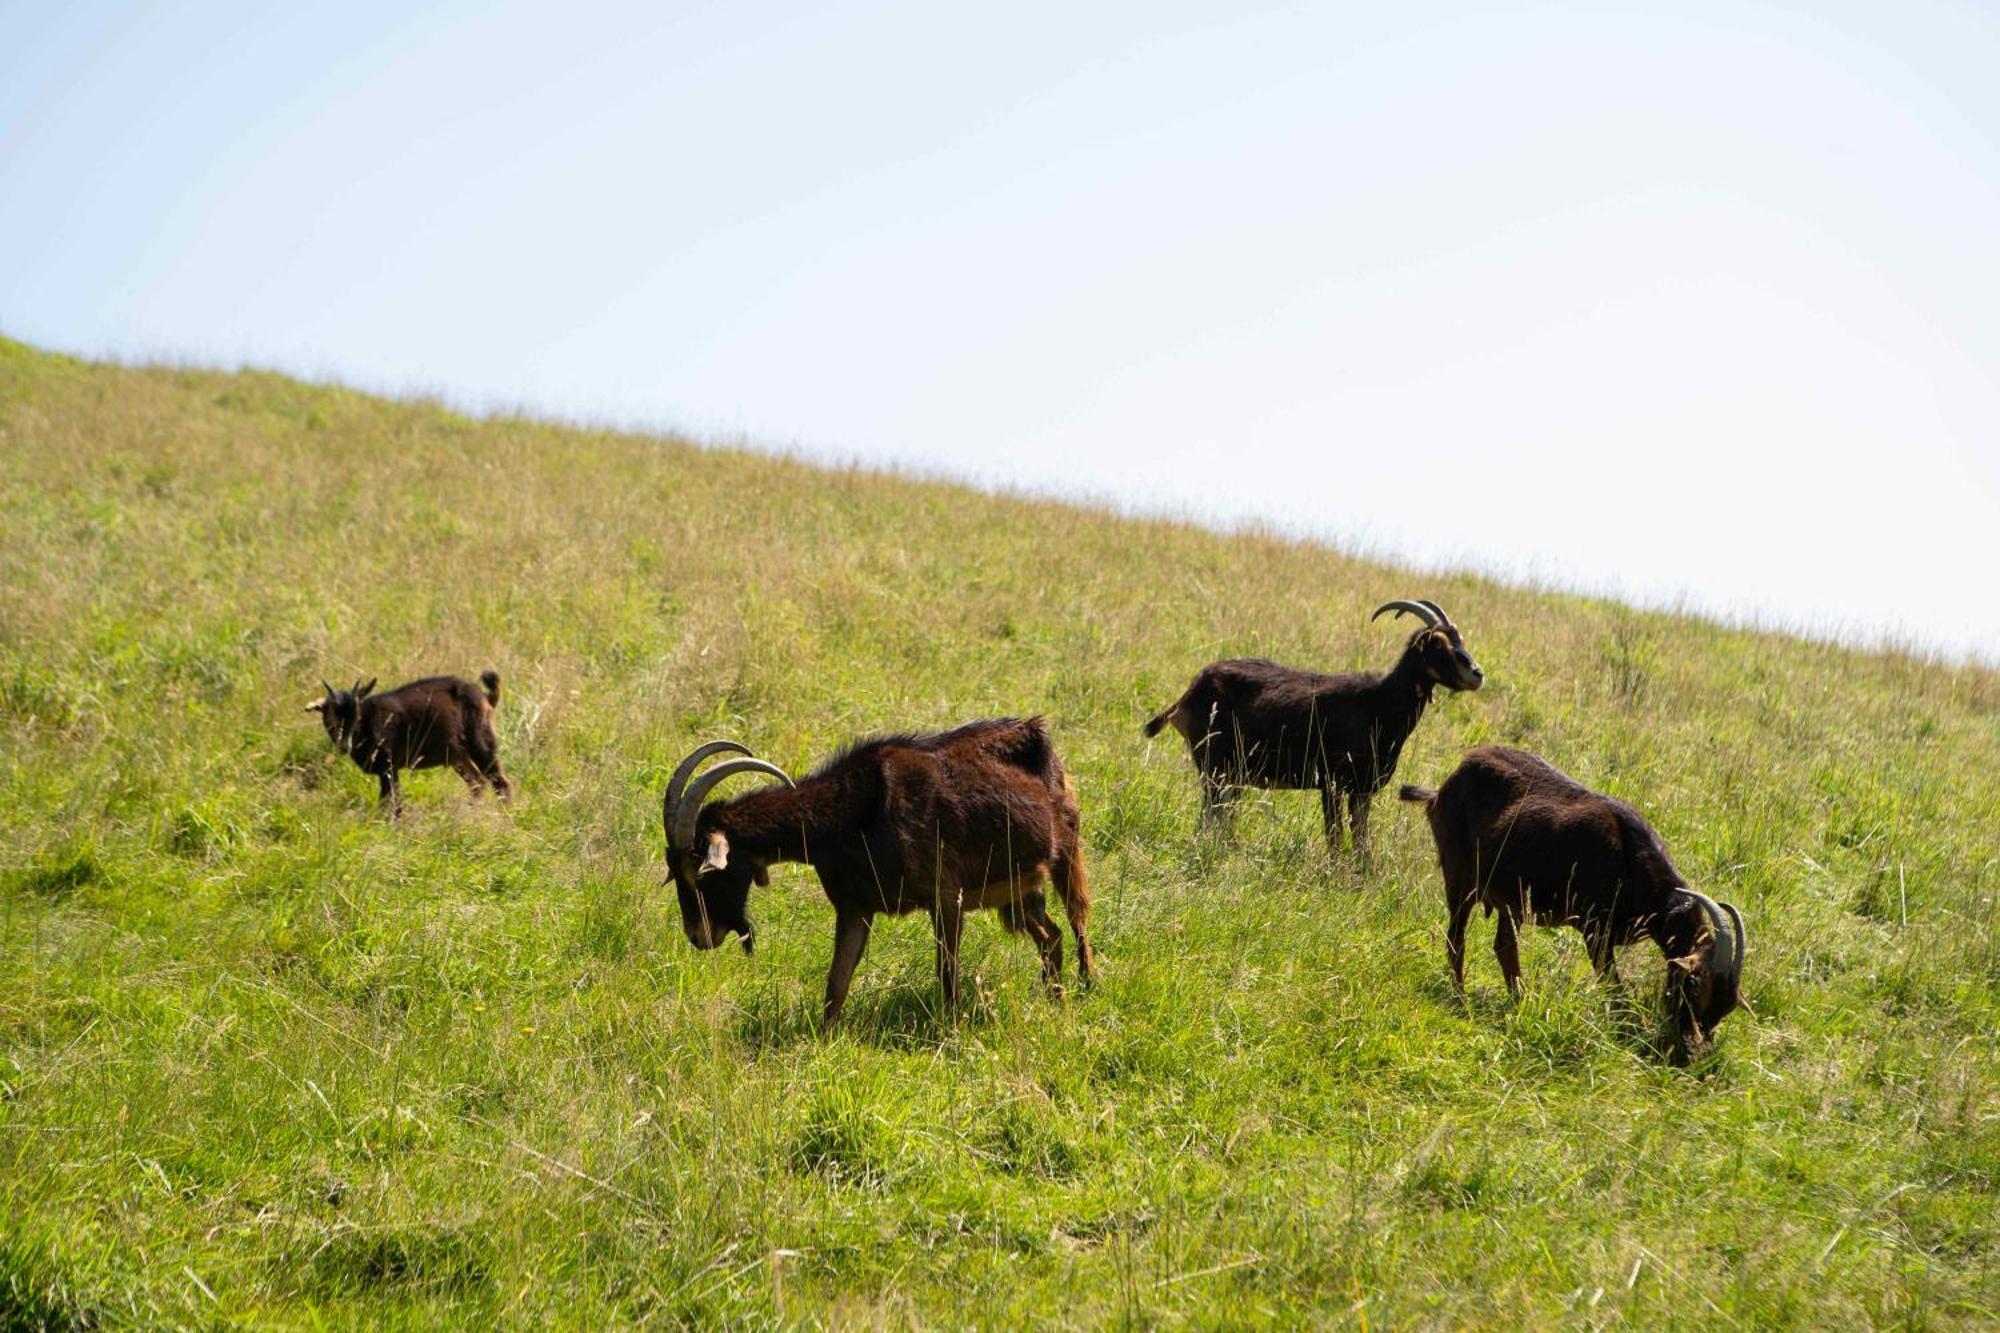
point(269, 1058)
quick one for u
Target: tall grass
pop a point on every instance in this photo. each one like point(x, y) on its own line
point(267, 1057)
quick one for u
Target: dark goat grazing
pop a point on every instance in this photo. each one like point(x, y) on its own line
point(1255, 723)
point(944, 824)
point(1527, 842)
point(438, 720)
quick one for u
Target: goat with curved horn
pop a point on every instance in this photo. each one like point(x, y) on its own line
point(1530, 844)
point(944, 824)
point(1249, 722)
point(438, 721)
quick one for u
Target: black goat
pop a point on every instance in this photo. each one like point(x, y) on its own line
point(1529, 843)
point(944, 823)
point(1249, 722)
point(438, 720)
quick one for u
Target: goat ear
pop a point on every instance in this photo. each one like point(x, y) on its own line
point(361, 691)
point(1687, 964)
point(316, 706)
point(718, 854)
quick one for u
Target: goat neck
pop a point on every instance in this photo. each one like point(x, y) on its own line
point(783, 823)
point(1406, 690)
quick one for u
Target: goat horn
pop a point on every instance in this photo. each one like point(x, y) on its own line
point(676, 784)
point(682, 832)
point(1742, 947)
point(1728, 968)
point(330, 691)
point(1443, 619)
point(1418, 609)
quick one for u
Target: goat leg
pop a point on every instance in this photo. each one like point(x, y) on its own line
point(1508, 950)
point(1357, 814)
point(1329, 809)
point(850, 940)
point(1035, 918)
point(1603, 955)
point(948, 921)
point(1454, 943)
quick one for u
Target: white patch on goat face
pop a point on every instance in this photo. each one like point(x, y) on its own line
point(718, 854)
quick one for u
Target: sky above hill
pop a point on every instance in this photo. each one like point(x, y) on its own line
point(1686, 302)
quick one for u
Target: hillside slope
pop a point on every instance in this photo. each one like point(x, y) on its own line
point(266, 1056)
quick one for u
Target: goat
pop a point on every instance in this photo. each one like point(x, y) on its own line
point(437, 720)
point(1519, 837)
point(943, 823)
point(1251, 722)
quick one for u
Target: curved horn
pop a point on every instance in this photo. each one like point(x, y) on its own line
point(1742, 945)
point(1443, 619)
point(1728, 966)
point(678, 782)
point(682, 833)
point(1418, 609)
point(330, 691)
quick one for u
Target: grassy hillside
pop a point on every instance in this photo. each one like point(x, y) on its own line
point(267, 1057)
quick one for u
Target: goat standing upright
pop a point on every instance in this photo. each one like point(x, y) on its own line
point(1251, 722)
point(943, 823)
point(1529, 843)
point(437, 720)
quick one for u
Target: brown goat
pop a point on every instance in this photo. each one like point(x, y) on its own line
point(1529, 843)
point(438, 720)
point(1249, 722)
point(943, 823)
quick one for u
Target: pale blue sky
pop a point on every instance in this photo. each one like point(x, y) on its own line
point(1667, 299)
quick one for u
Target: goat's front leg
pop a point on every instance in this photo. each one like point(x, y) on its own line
point(948, 921)
point(1329, 809)
point(1603, 955)
point(850, 941)
point(392, 792)
point(1357, 814)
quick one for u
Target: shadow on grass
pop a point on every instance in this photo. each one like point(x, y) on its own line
point(898, 1017)
point(1631, 1020)
point(35, 1292)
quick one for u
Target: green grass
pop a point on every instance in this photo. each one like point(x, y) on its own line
point(267, 1058)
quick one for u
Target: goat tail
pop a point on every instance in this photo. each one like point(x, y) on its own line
point(491, 680)
point(1164, 716)
point(1422, 795)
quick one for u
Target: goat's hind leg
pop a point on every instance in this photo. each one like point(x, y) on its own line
point(486, 754)
point(1218, 803)
point(466, 768)
point(1507, 949)
point(1454, 942)
point(1030, 916)
point(1072, 885)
